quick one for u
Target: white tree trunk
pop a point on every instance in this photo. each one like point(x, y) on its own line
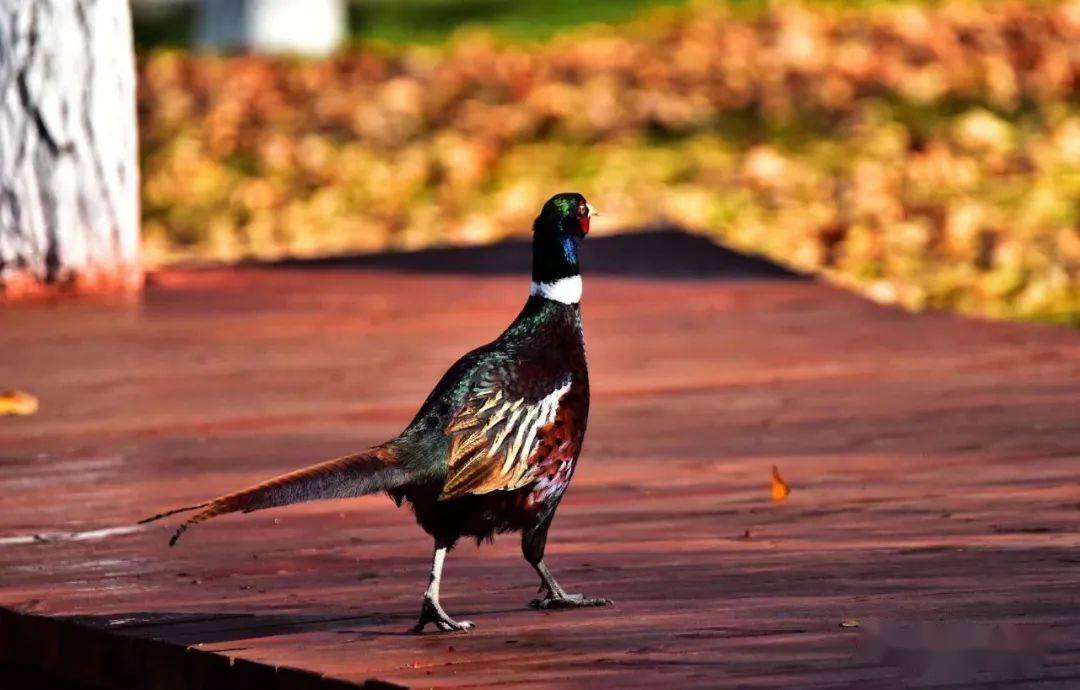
point(69, 178)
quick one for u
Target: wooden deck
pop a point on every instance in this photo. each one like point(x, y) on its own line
point(932, 534)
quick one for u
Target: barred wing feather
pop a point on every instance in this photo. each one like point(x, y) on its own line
point(493, 436)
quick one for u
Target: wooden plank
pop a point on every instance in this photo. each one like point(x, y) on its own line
point(933, 463)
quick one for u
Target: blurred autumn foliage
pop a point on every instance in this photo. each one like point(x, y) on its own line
point(924, 155)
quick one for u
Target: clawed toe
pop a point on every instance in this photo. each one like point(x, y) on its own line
point(568, 601)
point(446, 624)
point(433, 613)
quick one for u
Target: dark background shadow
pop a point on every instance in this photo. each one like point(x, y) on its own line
point(659, 253)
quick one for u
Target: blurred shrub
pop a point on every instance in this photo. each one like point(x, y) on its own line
point(924, 155)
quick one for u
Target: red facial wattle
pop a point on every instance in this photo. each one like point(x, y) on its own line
point(583, 222)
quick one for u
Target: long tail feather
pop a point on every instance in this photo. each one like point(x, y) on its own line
point(353, 475)
point(174, 511)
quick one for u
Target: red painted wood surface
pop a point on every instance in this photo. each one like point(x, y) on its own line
point(934, 463)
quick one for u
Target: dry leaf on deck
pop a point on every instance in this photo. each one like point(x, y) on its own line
point(780, 488)
point(17, 403)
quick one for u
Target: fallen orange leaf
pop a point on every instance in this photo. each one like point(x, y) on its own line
point(17, 403)
point(780, 488)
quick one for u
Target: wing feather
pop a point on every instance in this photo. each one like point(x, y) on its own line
point(493, 436)
point(519, 437)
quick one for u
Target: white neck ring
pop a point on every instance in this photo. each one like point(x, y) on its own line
point(565, 290)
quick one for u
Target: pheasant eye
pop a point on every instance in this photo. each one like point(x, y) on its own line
point(582, 210)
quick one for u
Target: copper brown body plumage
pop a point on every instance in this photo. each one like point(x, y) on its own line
point(494, 446)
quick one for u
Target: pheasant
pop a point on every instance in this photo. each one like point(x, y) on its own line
point(494, 446)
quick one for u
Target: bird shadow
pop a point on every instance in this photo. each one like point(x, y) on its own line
point(212, 628)
point(662, 252)
point(205, 627)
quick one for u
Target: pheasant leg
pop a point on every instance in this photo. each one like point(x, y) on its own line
point(555, 597)
point(432, 611)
